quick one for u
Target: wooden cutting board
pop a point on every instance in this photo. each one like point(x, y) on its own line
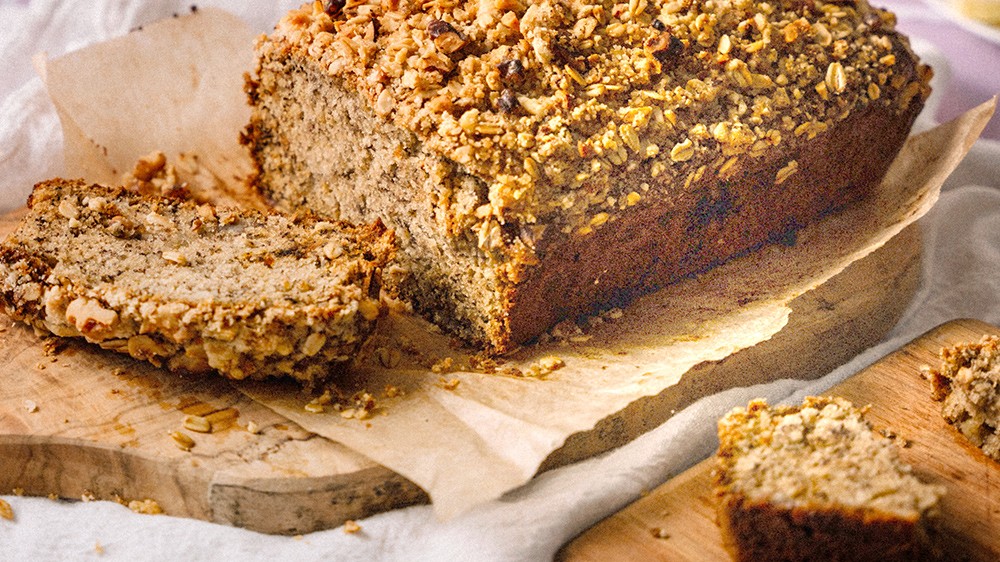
point(76, 421)
point(677, 520)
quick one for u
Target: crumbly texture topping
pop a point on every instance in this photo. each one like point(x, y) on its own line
point(553, 101)
point(193, 287)
point(968, 385)
point(823, 454)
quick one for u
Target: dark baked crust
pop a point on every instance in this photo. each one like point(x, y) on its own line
point(761, 532)
point(713, 220)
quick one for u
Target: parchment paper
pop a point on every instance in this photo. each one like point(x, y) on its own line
point(464, 435)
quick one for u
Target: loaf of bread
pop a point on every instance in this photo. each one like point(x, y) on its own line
point(540, 160)
point(816, 483)
point(968, 386)
point(193, 287)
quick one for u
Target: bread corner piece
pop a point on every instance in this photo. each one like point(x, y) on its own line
point(814, 482)
point(539, 160)
point(193, 287)
point(968, 386)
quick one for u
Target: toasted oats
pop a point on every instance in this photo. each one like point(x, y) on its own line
point(182, 440)
point(198, 423)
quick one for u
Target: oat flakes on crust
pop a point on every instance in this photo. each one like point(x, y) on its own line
point(549, 98)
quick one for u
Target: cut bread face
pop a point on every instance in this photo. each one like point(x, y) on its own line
point(816, 482)
point(194, 287)
point(968, 386)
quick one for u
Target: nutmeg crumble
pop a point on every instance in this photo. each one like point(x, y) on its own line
point(542, 159)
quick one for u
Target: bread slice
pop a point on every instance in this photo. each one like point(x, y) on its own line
point(540, 160)
point(193, 287)
point(968, 386)
point(816, 483)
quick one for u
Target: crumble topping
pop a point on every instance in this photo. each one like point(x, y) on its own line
point(553, 101)
point(819, 453)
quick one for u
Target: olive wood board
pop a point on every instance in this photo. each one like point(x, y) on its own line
point(677, 520)
point(78, 421)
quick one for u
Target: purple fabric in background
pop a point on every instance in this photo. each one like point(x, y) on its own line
point(974, 60)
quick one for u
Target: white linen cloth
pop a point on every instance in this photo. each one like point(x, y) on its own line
point(960, 279)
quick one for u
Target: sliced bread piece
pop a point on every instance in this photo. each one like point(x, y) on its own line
point(193, 287)
point(816, 483)
point(968, 385)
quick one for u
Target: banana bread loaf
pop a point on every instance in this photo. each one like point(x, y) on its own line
point(816, 483)
point(538, 160)
point(193, 287)
point(968, 386)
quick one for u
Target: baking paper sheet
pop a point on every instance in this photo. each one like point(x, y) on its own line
point(464, 435)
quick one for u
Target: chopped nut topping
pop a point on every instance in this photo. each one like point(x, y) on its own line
point(561, 97)
point(507, 102)
point(511, 72)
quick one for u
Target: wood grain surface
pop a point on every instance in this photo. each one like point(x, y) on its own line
point(677, 520)
point(101, 422)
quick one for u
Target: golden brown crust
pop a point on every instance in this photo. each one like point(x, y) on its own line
point(560, 142)
point(193, 287)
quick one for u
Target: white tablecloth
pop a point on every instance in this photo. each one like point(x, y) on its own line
point(960, 279)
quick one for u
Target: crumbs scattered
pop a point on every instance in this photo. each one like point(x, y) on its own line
point(360, 406)
point(145, 507)
point(449, 384)
point(659, 533)
point(53, 346)
point(443, 365)
point(351, 527)
point(6, 511)
point(30, 406)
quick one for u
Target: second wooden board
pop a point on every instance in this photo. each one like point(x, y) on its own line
point(677, 520)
